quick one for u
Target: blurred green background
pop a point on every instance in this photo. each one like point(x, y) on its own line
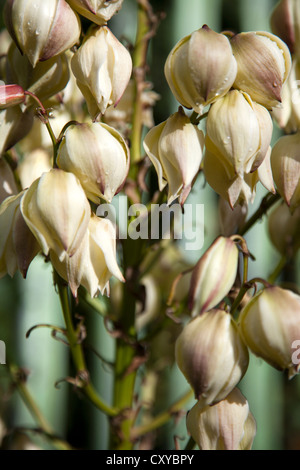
point(274, 401)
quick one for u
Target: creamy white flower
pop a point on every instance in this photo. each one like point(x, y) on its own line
point(175, 149)
point(94, 263)
point(102, 67)
point(98, 155)
point(42, 29)
point(57, 212)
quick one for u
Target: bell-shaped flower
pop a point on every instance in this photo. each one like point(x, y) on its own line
point(213, 275)
point(235, 189)
point(241, 130)
point(200, 68)
point(285, 161)
point(102, 67)
point(212, 355)
point(287, 116)
point(98, 155)
point(175, 149)
point(98, 11)
point(285, 23)
point(42, 29)
point(94, 263)
point(264, 63)
point(57, 212)
point(228, 425)
point(18, 246)
point(270, 325)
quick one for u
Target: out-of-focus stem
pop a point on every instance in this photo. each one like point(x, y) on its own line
point(77, 354)
point(139, 60)
point(162, 418)
point(267, 202)
point(34, 410)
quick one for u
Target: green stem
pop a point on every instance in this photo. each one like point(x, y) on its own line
point(239, 298)
point(125, 374)
point(20, 382)
point(267, 202)
point(162, 418)
point(190, 444)
point(139, 60)
point(46, 121)
point(77, 353)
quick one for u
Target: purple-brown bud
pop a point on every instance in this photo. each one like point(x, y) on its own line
point(11, 95)
point(264, 63)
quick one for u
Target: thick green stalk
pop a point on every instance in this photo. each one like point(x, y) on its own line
point(126, 349)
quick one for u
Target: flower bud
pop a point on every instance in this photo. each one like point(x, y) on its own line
point(7, 181)
point(94, 263)
point(102, 67)
point(235, 189)
point(211, 355)
point(10, 95)
point(284, 230)
point(228, 425)
point(14, 125)
point(285, 23)
point(57, 212)
point(287, 115)
point(18, 246)
point(285, 161)
point(98, 155)
point(175, 149)
point(213, 275)
point(270, 323)
point(200, 68)
point(98, 11)
point(42, 30)
point(241, 130)
point(264, 64)
point(45, 80)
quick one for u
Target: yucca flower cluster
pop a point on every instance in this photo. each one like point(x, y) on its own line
point(63, 168)
point(92, 159)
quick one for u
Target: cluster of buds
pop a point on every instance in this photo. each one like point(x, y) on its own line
point(53, 212)
point(240, 78)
